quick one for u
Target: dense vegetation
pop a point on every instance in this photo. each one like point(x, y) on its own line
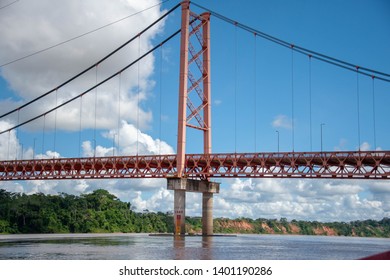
point(101, 211)
point(98, 211)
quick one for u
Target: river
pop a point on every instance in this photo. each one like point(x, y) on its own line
point(145, 247)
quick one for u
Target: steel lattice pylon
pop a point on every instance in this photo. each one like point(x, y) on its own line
point(194, 81)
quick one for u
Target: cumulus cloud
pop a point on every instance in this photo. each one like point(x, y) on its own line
point(161, 200)
point(36, 25)
point(217, 102)
point(323, 200)
point(9, 144)
point(342, 145)
point(282, 121)
point(365, 146)
point(132, 141)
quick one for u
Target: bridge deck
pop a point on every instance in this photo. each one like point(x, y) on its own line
point(342, 165)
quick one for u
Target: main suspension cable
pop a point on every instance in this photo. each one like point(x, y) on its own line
point(9, 4)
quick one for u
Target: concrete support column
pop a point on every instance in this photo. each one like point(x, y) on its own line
point(207, 213)
point(179, 213)
point(182, 185)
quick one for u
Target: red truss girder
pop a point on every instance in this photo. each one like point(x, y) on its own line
point(336, 165)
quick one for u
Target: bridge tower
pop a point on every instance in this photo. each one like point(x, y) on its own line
point(194, 95)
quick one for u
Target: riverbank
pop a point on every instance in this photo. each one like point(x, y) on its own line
point(367, 228)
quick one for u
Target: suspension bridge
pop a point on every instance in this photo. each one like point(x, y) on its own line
point(193, 172)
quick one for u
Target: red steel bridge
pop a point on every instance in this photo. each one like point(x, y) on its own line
point(195, 113)
point(337, 165)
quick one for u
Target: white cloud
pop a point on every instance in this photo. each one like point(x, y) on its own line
point(161, 200)
point(38, 24)
point(9, 144)
point(342, 145)
point(217, 102)
point(323, 200)
point(282, 121)
point(365, 146)
point(128, 140)
point(129, 136)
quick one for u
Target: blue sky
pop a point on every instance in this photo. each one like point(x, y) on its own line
point(256, 72)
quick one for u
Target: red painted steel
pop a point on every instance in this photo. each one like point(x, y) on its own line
point(206, 102)
point(194, 77)
point(182, 122)
point(332, 165)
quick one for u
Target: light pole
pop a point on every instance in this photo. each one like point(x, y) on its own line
point(277, 131)
point(322, 124)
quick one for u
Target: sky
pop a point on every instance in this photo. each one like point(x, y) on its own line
point(258, 88)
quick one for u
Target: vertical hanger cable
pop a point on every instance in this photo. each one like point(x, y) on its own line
point(9, 139)
point(55, 127)
point(235, 88)
point(80, 124)
point(255, 89)
point(16, 144)
point(292, 97)
point(119, 110)
point(310, 107)
point(43, 135)
point(160, 100)
point(373, 109)
point(94, 130)
point(138, 92)
point(358, 105)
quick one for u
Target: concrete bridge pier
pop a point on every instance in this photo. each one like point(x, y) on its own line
point(207, 213)
point(182, 185)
